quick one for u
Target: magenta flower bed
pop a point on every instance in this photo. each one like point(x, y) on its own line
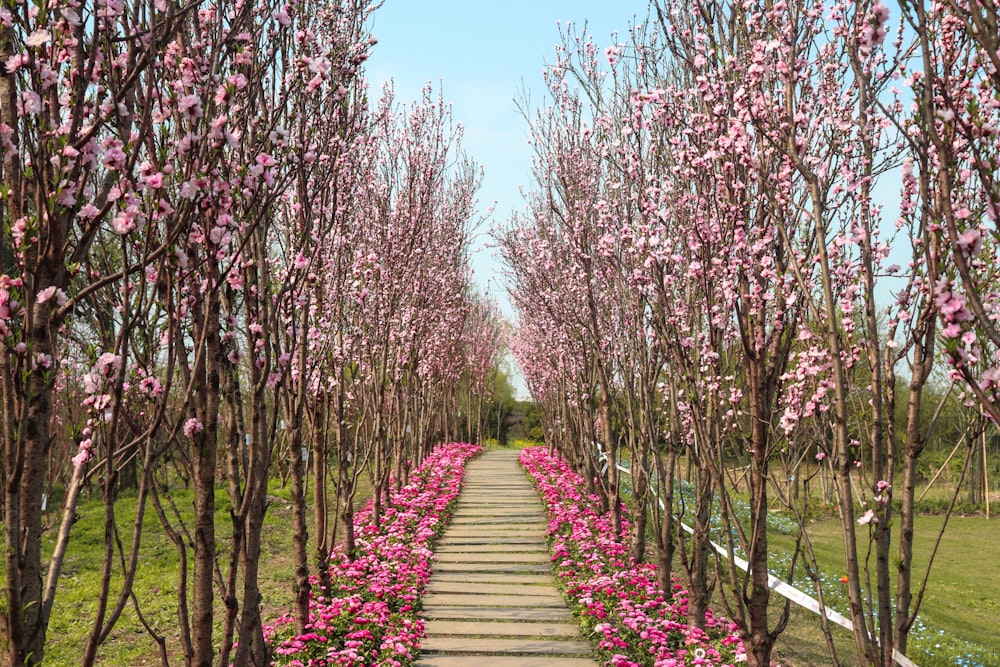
point(372, 616)
point(618, 602)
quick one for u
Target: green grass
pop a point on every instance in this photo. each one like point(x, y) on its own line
point(517, 443)
point(156, 582)
point(958, 615)
point(963, 598)
point(962, 601)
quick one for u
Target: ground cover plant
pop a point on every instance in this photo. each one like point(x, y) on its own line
point(954, 628)
point(618, 601)
point(369, 616)
point(955, 625)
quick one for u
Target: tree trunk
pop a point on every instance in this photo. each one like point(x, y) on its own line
point(698, 579)
point(28, 412)
point(204, 454)
point(301, 536)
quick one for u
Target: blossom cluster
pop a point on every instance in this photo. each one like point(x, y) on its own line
point(618, 601)
point(370, 617)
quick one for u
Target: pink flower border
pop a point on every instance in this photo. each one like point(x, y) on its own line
point(618, 601)
point(372, 619)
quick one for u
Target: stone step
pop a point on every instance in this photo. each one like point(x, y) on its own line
point(473, 588)
point(491, 600)
point(463, 613)
point(488, 519)
point(513, 531)
point(471, 540)
point(492, 557)
point(508, 568)
point(492, 577)
point(507, 511)
point(490, 547)
point(509, 629)
point(492, 645)
point(504, 661)
point(486, 503)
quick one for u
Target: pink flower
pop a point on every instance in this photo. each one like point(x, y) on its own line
point(868, 517)
point(192, 426)
point(970, 243)
point(31, 103)
point(123, 223)
point(15, 61)
point(190, 106)
point(38, 38)
point(108, 364)
point(951, 330)
point(45, 294)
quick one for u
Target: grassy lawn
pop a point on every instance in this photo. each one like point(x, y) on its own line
point(156, 580)
point(962, 602)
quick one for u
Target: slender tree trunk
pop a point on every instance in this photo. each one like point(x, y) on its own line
point(700, 570)
point(26, 446)
point(204, 454)
point(321, 507)
point(665, 545)
point(761, 642)
point(300, 537)
point(611, 449)
point(912, 448)
point(640, 493)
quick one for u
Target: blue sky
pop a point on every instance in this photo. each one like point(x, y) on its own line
point(484, 54)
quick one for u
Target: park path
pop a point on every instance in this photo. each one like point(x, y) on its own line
point(492, 594)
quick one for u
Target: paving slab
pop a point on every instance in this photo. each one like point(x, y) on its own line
point(492, 593)
point(461, 613)
point(473, 588)
point(499, 629)
point(493, 599)
point(486, 520)
point(471, 539)
point(495, 557)
point(504, 661)
point(491, 645)
point(483, 546)
point(486, 505)
point(512, 568)
point(503, 530)
point(492, 577)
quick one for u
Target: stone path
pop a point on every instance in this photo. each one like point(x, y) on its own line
point(492, 594)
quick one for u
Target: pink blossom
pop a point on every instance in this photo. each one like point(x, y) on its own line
point(868, 517)
point(108, 364)
point(190, 106)
point(15, 61)
point(951, 330)
point(45, 294)
point(192, 426)
point(970, 242)
point(38, 38)
point(30, 103)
